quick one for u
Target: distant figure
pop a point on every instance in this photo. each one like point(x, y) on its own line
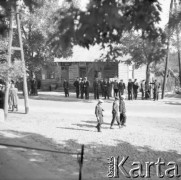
point(96, 89)
point(13, 97)
point(66, 88)
point(115, 87)
point(99, 115)
point(106, 88)
point(155, 90)
point(122, 110)
point(121, 88)
point(86, 88)
point(135, 89)
point(76, 84)
point(147, 90)
point(130, 90)
point(143, 89)
point(81, 84)
point(34, 87)
point(115, 112)
point(102, 87)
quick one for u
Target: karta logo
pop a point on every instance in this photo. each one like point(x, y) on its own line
point(116, 167)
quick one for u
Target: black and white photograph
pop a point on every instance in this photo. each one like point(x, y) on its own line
point(90, 89)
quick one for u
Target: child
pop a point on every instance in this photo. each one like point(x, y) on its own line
point(115, 111)
point(99, 115)
point(122, 110)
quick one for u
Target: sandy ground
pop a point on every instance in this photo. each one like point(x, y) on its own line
point(63, 124)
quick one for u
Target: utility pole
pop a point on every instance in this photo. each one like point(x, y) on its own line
point(23, 60)
point(178, 45)
point(167, 57)
point(10, 34)
point(10, 48)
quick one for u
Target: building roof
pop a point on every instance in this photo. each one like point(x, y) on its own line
point(81, 54)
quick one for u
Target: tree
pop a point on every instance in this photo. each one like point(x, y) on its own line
point(141, 51)
point(104, 22)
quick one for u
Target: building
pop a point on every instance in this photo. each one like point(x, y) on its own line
point(85, 63)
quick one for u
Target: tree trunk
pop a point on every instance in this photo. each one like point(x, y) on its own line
point(9, 63)
point(167, 57)
point(148, 73)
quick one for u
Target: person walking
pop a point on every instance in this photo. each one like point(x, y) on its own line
point(115, 112)
point(13, 97)
point(66, 88)
point(135, 89)
point(130, 90)
point(99, 114)
point(122, 110)
point(96, 89)
point(121, 87)
point(76, 85)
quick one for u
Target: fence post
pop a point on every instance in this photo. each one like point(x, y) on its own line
point(81, 162)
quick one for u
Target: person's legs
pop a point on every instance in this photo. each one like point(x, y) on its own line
point(113, 119)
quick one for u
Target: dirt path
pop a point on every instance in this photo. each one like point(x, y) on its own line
point(153, 130)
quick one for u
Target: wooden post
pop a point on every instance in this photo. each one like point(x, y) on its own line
point(23, 61)
point(10, 34)
point(167, 57)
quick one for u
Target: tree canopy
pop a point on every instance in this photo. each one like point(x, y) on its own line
point(105, 21)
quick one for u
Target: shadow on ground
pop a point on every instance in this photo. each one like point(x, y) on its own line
point(95, 160)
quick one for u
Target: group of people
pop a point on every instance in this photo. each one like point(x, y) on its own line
point(82, 86)
point(147, 88)
point(118, 107)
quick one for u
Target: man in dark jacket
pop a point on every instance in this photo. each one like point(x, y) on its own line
point(66, 88)
point(135, 89)
point(155, 90)
point(122, 110)
point(130, 90)
point(96, 89)
point(76, 84)
point(121, 88)
point(106, 88)
point(102, 87)
point(81, 85)
point(86, 88)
